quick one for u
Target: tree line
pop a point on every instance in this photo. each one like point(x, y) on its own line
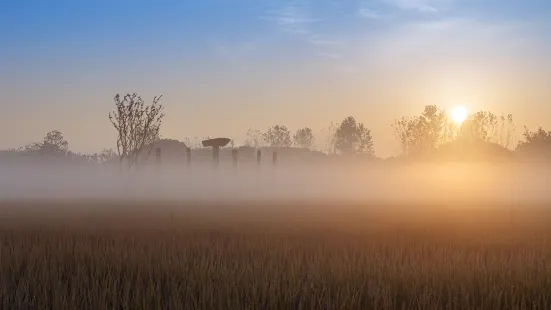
point(138, 126)
point(432, 129)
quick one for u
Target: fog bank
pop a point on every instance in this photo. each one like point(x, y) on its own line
point(381, 183)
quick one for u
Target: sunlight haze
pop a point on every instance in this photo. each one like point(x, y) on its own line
point(459, 114)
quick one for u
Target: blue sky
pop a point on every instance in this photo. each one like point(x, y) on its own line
point(258, 63)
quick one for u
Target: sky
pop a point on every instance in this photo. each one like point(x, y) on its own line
point(226, 66)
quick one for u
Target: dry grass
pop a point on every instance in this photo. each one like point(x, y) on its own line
point(154, 257)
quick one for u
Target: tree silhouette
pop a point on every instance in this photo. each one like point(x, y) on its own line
point(137, 126)
point(508, 129)
point(32, 147)
point(352, 138)
point(106, 155)
point(479, 126)
point(254, 138)
point(535, 137)
point(422, 134)
point(406, 133)
point(54, 144)
point(485, 126)
point(536, 143)
point(330, 138)
point(278, 136)
point(195, 142)
point(304, 138)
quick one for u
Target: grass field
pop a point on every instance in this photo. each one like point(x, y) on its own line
point(100, 255)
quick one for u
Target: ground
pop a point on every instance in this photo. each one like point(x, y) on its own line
point(185, 255)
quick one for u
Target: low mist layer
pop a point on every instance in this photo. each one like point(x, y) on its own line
point(381, 183)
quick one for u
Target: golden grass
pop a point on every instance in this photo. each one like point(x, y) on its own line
point(153, 256)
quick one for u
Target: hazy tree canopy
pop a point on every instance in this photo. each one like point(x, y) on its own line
point(195, 142)
point(278, 136)
point(106, 155)
point(137, 124)
point(407, 132)
point(304, 138)
point(431, 125)
point(423, 134)
point(329, 138)
point(254, 138)
point(32, 147)
point(539, 136)
point(54, 144)
point(352, 138)
point(481, 126)
point(488, 127)
point(536, 143)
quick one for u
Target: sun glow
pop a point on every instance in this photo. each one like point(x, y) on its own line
point(459, 114)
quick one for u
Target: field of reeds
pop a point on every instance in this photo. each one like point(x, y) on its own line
point(103, 255)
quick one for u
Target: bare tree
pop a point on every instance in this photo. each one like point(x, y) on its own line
point(304, 138)
point(354, 138)
point(278, 136)
point(137, 125)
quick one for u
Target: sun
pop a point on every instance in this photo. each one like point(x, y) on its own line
point(459, 114)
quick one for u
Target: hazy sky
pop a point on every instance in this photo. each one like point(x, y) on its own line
point(226, 66)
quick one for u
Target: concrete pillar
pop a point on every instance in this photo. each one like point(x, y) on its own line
point(235, 156)
point(158, 158)
point(188, 157)
point(215, 156)
point(274, 158)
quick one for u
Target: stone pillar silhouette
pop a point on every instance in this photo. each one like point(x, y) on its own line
point(216, 144)
point(258, 157)
point(216, 156)
point(188, 157)
point(274, 158)
point(158, 159)
point(235, 156)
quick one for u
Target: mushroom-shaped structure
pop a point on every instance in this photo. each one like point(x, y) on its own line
point(216, 144)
